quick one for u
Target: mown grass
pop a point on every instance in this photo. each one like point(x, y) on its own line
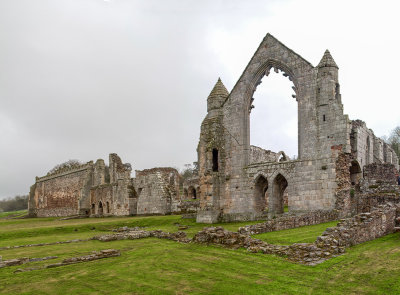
point(18, 213)
point(305, 234)
point(153, 266)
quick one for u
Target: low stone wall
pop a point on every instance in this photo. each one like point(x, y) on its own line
point(358, 229)
point(86, 258)
point(22, 260)
point(135, 233)
point(291, 221)
point(188, 206)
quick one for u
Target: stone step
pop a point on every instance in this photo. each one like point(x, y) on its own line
point(397, 228)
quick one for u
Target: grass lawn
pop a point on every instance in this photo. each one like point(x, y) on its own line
point(153, 266)
point(305, 234)
point(10, 214)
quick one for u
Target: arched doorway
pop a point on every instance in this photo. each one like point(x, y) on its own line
point(108, 207)
point(93, 209)
point(355, 173)
point(100, 211)
point(277, 198)
point(192, 192)
point(260, 193)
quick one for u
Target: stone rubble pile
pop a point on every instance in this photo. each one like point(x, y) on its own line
point(94, 256)
point(22, 260)
point(126, 233)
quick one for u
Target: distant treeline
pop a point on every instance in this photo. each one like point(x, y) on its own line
point(14, 204)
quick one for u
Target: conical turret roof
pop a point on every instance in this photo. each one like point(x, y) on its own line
point(219, 90)
point(327, 60)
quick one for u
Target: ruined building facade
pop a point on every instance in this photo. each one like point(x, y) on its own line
point(94, 189)
point(235, 178)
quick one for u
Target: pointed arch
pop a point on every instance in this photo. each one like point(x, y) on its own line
point(260, 192)
point(276, 200)
point(100, 209)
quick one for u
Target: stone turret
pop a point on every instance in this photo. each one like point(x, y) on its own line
point(331, 121)
point(211, 154)
point(217, 96)
point(327, 61)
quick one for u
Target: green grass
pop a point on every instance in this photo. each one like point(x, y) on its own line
point(154, 266)
point(18, 213)
point(305, 234)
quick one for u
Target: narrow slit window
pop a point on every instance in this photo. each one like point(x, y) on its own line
point(215, 160)
point(324, 118)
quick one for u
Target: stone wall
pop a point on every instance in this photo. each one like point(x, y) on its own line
point(113, 198)
point(367, 148)
point(157, 190)
point(258, 155)
point(380, 173)
point(378, 187)
point(191, 188)
point(333, 242)
point(90, 189)
point(63, 193)
point(287, 222)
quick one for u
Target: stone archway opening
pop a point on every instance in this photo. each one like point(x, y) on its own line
point(273, 119)
point(260, 193)
point(355, 173)
point(192, 192)
point(108, 207)
point(277, 199)
point(100, 211)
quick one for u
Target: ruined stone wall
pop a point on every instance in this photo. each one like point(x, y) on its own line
point(62, 194)
point(113, 198)
point(291, 221)
point(90, 189)
point(191, 189)
point(378, 187)
point(362, 143)
point(228, 192)
point(101, 200)
point(100, 173)
point(157, 190)
point(378, 150)
point(380, 173)
point(366, 148)
point(389, 155)
point(258, 155)
point(308, 182)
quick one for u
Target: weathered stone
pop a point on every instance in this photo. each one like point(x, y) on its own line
point(239, 181)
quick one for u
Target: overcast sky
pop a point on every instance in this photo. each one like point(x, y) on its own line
point(80, 79)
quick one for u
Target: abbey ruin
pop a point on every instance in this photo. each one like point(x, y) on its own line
point(340, 169)
point(94, 189)
point(235, 178)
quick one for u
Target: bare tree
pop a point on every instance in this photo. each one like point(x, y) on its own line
point(68, 164)
point(394, 141)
